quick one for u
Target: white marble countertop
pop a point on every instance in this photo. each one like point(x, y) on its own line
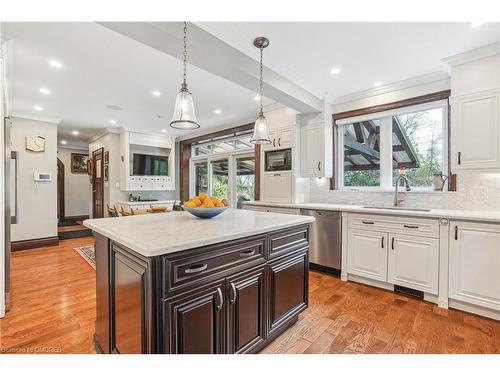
point(165, 233)
point(138, 203)
point(488, 216)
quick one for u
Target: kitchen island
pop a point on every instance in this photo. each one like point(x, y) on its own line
point(173, 283)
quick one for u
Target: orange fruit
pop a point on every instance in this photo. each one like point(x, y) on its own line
point(219, 204)
point(225, 202)
point(202, 197)
point(196, 201)
point(215, 200)
point(207, 203)
point(190, 204)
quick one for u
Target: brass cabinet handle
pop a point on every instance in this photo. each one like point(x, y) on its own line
point(221, 299)
point(247, 253)
point(196, 268)
point(232, 298)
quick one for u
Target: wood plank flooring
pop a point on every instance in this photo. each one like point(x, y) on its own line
point(53, 308)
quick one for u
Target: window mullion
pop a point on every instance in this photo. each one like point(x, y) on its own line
point(386, 152)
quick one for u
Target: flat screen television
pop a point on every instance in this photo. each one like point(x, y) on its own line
point(150, 165)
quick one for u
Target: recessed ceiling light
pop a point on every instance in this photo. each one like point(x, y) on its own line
point(112, 122)
point(63, 142)
point(114, 107)
point(377, 84)
point(55, 64)
point(476, 24)
point(256, 97)
point(44, 91)
point(217, 111)
point(75, 132)
point(335, 71)
point(163, 130)
point(156, 93)
point(38, 108)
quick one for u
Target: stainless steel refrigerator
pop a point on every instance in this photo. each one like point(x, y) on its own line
point(10, 189)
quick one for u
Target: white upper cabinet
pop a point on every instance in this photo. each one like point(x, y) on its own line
point(475, 264)
point(316, 150)
point(281, 138)
point(476, 131)
point(475, 109)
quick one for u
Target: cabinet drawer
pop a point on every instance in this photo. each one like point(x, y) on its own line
point(181, 270)
point(395, 224)
point(287, 240)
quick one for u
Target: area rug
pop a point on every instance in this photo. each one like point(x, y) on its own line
point(88, 254)
point(67, 223)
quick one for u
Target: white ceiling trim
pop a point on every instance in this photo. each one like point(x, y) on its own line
point(475, 54)
point(396, 86)
point(29, 116)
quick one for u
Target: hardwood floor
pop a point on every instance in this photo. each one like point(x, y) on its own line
point(53, 308)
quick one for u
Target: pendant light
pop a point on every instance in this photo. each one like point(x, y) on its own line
point(184, 115)
point(260, 131)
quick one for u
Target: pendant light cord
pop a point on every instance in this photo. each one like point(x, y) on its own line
point(184, 84)
point(261, 84)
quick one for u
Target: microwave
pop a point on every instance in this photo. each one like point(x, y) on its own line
point(278, 160)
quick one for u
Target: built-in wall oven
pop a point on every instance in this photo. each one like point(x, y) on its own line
point(278, 160)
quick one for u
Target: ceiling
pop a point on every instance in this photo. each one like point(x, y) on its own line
point(101, 68)
point(365, 52)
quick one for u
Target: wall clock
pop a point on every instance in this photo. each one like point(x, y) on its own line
point(35, 144)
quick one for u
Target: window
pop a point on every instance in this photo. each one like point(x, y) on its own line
point(375, 147)
point(224, 167)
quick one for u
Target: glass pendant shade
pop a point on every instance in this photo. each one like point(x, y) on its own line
point(184, 115)
point(260, 131)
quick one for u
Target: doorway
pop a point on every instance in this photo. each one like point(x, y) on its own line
point(98, 183)
point(60, 191)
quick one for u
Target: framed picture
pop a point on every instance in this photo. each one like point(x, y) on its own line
point(79, 163)
point(105, 173)
point(106, 157)
point(89, 167)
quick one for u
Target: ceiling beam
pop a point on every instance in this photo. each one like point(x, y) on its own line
point(211, 54)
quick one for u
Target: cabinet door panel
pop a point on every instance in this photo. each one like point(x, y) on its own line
point(196, 321)
point(278, 187)
point(312, 151)
point(285, 137)
point(288, 289)
point(413, 262)
point(475, 264)
point(367, 254)
point(476, 131)
point(246, 302)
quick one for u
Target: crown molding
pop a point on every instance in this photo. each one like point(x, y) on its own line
point(396, 86)
point(80, 148)
point(29, 116)
point(474, 54)
point(105, 131)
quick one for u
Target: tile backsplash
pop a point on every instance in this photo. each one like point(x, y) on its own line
point(475, 191)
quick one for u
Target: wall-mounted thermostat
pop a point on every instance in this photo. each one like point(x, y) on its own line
point(42, 177)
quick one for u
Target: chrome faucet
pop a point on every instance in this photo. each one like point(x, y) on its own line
point(407, 185)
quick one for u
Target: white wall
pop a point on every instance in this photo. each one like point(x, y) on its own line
point(37, 206)
point(76, 185)
point(112, 193)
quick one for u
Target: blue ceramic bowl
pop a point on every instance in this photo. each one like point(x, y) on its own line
point(205, 213)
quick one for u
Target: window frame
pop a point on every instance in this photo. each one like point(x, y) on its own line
point(385, 117)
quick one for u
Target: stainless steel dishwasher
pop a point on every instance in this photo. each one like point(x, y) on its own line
point(325, 240)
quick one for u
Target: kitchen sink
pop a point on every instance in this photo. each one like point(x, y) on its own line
point(399, 208)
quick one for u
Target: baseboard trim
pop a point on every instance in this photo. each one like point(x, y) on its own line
point(34, 243)
point(77, 218)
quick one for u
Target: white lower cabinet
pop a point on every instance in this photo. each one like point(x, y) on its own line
point(413, 262)
point(474, 264)
point(367, 254)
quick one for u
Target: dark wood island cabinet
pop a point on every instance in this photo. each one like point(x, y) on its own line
point(230, 297)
